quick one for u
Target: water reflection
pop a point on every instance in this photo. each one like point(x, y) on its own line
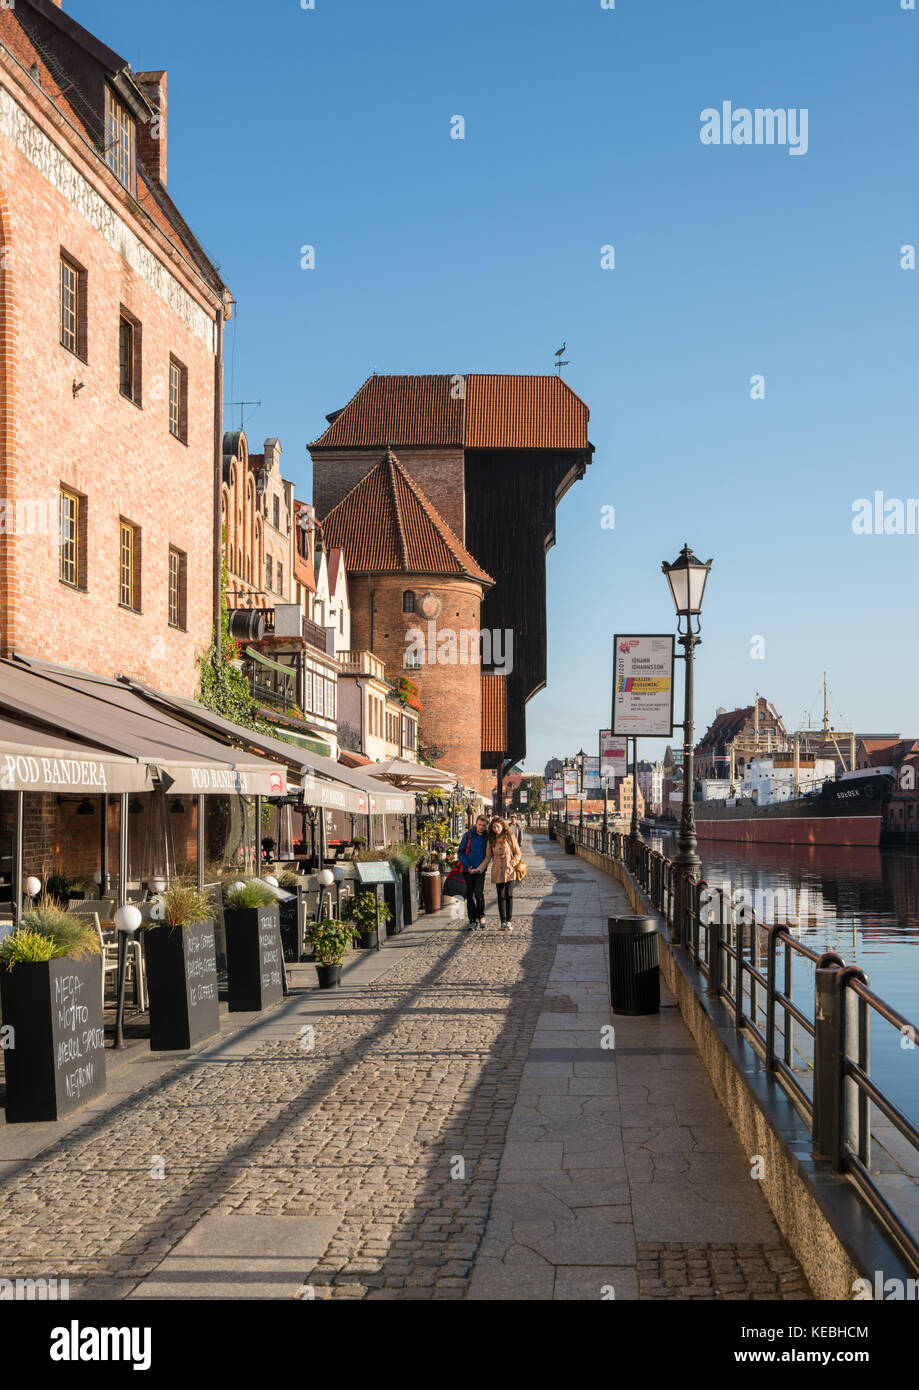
point(862, 902)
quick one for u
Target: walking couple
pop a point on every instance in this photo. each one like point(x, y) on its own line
point(494, 844)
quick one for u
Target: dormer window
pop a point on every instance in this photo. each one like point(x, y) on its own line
point(119, 140)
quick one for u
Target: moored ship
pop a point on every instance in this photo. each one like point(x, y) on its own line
point(842, 810)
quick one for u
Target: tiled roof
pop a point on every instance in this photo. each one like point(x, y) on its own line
point(352, 759)
point(473, 412)
point(386, 524)
point(725, 726)
point(494, 714)
point(156, 203)
point(892, 754)
point(336, 563)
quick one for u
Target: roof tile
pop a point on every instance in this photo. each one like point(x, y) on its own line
point(478, 411)
point(386, 524)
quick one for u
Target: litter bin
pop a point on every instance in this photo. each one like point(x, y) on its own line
point(634, 972)
point(570, 847)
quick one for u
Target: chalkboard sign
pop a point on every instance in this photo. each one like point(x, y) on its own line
point(255, 960)
point(57, 1060)
point(375, 871)
point(182, 984)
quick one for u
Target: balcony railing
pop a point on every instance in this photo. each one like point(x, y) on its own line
point(362, 663)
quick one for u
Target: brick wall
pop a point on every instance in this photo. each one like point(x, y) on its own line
point(450, 694)
point(121, 457)
point(438, 473)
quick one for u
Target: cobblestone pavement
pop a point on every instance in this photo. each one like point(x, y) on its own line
point(401, 1117)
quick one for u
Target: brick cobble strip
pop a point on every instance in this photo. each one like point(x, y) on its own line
point(396, 1119)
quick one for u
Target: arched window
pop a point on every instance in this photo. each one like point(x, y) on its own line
point(408, 601)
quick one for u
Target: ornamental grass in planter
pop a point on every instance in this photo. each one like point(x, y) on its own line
point(181, 958)
point(51, 997)
point(362, 911)
point(255, 961)
point(331, 941)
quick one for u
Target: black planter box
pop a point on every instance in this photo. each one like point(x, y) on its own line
point(409, 879)
point(255, 960)
point(182, 983)
point(57, 1062)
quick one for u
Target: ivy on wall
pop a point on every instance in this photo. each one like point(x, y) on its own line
point(222, 688)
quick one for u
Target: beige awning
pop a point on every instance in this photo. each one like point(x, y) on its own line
point(36, 761)
point(108, 715)
point(323, 781)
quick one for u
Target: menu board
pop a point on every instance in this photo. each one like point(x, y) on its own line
point(643, 686)
point(270, 954)
point(201, 981)
point(375, 871)
point(79, 1038)
point(53, 1010)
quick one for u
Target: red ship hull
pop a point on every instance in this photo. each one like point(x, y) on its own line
point(793, 830)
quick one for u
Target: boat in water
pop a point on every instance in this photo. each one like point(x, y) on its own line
point(829, 808)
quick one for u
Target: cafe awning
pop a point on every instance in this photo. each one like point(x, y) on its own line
point(324, 782)
point(108, 715)
point(34, 760)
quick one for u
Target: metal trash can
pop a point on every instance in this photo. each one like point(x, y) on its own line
point(634, 970)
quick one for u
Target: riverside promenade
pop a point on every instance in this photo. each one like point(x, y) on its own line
point(451, 1124)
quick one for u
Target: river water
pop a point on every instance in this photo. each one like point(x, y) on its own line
point(861, 903)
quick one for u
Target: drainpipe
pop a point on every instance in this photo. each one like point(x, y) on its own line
point(218, 467)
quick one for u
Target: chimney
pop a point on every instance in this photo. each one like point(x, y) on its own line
point(273, 453)
point(151, 138)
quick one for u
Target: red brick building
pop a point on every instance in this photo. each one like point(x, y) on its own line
point(408, 574)
point(111, 322)
point(493, 455)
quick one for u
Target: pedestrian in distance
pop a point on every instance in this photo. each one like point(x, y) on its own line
point(514, 827)
point(473, 848)
point(503, 855)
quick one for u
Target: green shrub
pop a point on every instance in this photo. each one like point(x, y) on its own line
point(289, 880)
point(184, 906)
point(362, 909)
point(253, 893)
point(70, 935)
point(331, 940)
point(23, 946)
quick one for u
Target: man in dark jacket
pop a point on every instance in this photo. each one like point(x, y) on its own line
point(472, 850)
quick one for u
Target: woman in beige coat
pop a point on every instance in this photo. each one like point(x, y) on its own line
point(503, 855)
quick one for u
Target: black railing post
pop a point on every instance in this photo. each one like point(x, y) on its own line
point(713, 945)
point(828, 1088)
point(738, 935)
point(772, 945)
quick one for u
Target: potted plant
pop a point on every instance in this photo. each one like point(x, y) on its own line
point(255, 962)
point(330, 941)
point(362, 910)
point(181, 960)
point(51, 999)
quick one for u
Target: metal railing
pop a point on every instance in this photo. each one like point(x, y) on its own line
point(750, 965)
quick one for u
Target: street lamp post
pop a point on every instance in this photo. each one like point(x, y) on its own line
point(633, 827)
point(687, 578)
point(580, 762)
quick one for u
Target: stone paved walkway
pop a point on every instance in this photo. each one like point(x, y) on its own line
point(450, 1124)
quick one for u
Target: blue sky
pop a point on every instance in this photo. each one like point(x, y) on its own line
point(331, 127)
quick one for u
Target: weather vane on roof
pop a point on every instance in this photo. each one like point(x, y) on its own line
point(560, 360)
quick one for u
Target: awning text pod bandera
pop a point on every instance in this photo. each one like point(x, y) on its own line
point(32, 761)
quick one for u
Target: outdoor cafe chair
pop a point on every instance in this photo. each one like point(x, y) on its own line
point(101, 910)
